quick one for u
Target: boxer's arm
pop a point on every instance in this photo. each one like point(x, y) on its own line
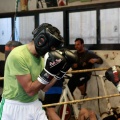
point(48, 86)
point(53, 63)
point(31, 88)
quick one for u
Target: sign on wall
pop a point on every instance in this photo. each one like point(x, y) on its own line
point(43, 4)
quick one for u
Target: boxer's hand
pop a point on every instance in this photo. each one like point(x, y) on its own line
point(54, 61)
point(112, 75)
point(71, 58)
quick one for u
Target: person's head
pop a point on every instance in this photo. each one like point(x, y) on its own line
point(10, 45)
point(79, 44)
point(46, 38)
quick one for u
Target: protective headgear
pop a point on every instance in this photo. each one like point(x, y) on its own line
point(46, 36)
point(113, 74)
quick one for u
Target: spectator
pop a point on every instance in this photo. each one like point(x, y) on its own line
point(86, 60)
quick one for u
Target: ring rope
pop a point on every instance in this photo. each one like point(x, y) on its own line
point(79, 71)
point(86, 70)
point(82, 100)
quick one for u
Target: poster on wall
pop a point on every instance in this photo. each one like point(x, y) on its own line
point(43, 4)
point(57, 3)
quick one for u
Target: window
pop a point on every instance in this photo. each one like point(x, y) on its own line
point(54, 18)
point(5, 30)
point(82, 24)
point(24, 28)
point(110, 25)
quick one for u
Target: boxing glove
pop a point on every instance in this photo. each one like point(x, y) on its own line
point(113, 75)
point(54, 61)
point(71, 58)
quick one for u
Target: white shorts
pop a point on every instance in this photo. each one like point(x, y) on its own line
point(14, 110)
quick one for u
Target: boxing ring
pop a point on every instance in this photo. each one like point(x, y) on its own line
point(67, 99)
point(69, 105)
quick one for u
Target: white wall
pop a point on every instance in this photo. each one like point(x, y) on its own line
point(110, 58)
point(10, 5)
point(7, 6)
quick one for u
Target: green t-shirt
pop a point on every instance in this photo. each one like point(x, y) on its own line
point(20, 62)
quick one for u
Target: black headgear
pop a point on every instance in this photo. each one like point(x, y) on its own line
point(113, 74)
point(45, 37)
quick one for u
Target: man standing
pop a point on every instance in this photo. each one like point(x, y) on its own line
point(26, 73)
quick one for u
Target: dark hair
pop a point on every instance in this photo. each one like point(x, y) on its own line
point(79, 39)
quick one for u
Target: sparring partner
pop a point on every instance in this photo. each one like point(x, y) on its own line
point(113, 75)
point(54, 92)
point(25, 74)
point(86, 60)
